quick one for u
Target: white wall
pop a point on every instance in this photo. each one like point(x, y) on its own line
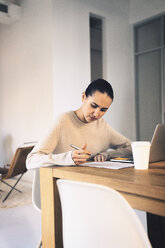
point(72, 57)
point(143, 9)
point(26, 85)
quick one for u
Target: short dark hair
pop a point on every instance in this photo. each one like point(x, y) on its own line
point(99, 85)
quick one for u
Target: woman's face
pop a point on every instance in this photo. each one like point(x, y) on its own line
point(95, 106)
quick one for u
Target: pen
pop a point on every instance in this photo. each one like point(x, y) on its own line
point(78, 148)
point(75, 147)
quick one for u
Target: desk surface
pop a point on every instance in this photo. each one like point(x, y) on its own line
point(143, 189)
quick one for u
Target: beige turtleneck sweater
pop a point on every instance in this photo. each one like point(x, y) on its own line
point(55, 148)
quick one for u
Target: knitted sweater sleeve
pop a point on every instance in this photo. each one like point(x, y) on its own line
point(120, 146)
point(42, 154)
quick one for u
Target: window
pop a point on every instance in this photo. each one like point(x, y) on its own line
point(149, 55)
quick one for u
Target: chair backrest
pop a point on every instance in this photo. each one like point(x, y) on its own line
point(96, 216)
point(18, 164)
point(36, 200)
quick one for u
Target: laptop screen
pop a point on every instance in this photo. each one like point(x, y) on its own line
point(157, 151)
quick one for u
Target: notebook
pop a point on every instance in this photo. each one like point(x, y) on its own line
point(157, 150)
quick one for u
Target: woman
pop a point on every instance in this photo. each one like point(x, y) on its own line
point(84, 128)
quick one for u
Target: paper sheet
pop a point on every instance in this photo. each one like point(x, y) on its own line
point(108, 165)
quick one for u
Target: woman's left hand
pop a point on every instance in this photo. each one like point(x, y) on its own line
point(100, 158)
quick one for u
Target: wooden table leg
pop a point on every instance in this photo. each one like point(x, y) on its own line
point(50, 210)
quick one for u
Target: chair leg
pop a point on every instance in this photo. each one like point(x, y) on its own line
point(39, 244)
point(9, 185)
point(13, 188)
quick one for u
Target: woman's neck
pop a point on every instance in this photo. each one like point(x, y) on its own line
point(80, 115)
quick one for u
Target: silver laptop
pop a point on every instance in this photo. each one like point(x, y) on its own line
point(157, 151)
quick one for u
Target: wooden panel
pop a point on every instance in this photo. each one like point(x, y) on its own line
point(145, 204)
point(50, 210)
point(148, 183)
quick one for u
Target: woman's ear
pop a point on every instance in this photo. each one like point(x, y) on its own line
point(83, 96)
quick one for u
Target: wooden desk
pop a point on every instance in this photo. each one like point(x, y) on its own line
point(143, 189)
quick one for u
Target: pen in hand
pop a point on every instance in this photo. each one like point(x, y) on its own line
point(78, 148)
point(80, 156)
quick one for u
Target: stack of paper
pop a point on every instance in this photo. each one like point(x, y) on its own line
point(108, 165)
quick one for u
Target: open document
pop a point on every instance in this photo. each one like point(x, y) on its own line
point(108, 165)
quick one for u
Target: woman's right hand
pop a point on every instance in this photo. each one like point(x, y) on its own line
point(80, 156)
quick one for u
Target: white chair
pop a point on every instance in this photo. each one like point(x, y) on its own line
point(36, 200)
point(96, 216)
